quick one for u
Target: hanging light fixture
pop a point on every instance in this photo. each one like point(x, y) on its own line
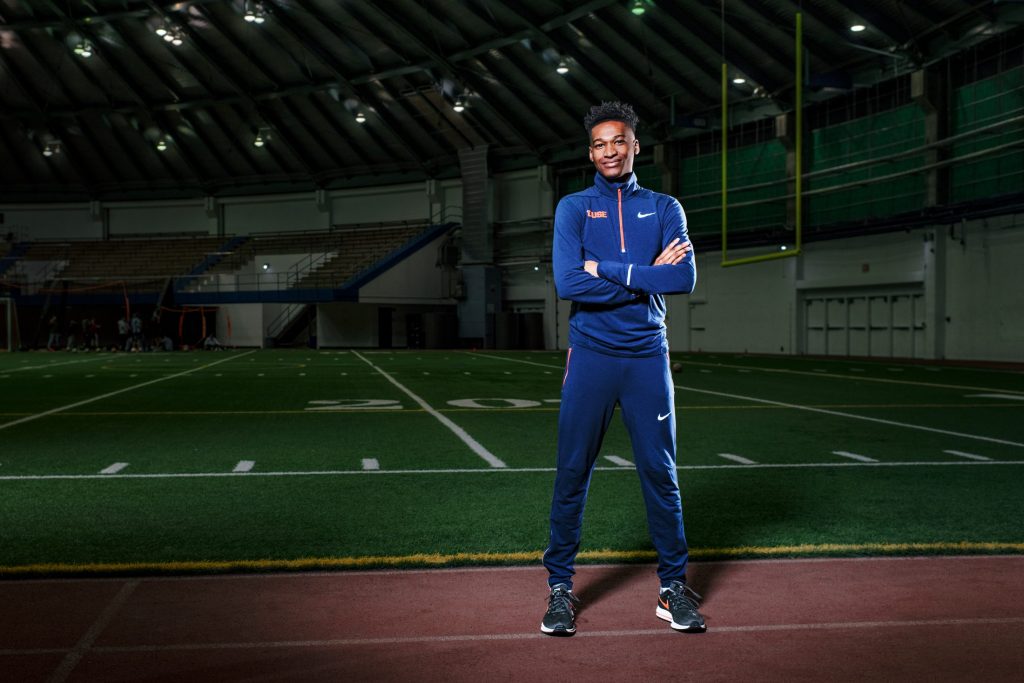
point(360, 117)
point(638, 8)
point(50, 148)
point(254, 13)
point(258, 142)
point(857, 28)
point(563, 67)
point(739, 80)
point(161, 143)
point(84, 49)
point(460, 105)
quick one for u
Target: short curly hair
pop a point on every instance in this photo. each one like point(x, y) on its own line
point(610, 111)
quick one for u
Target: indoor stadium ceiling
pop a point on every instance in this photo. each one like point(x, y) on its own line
point(95, 104)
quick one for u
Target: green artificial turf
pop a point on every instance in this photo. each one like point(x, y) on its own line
point(295, 415)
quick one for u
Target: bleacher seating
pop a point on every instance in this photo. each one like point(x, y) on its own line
point(359, 250)
point(117, 259)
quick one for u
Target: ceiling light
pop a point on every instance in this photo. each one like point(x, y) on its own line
point(266, 266)
point(161, 30)
point(638, 7)
point(857, 28)
point(360, 117)
point(563, 68)
point(84, 49)
point(258, 142)
point(51, 148)
point(739, 80)
point(460, 105)
point(176, 37)
point(254, 14)
point(161, 144)
point(782, 247)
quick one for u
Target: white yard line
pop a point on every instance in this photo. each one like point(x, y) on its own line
point(473, 444)
point(852, 416)
point(244, 466)
point(737, 458)
point(854, 456)
point(115, 468)
point(489, 470)
point(970, 456)
point(47, 366)
point(52, 411)
point(834, 413)
point(616, 460)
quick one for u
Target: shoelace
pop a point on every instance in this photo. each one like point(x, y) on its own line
point(681, 595)
point(562, 601)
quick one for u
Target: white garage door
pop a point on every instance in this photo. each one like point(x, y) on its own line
point(887, 325)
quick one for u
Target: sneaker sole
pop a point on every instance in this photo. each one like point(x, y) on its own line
point(557, 631)
point(662, 613)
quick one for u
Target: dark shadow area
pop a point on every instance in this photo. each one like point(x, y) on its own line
point(611, 579)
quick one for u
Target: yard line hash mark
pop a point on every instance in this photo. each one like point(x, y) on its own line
point(473, 444)
point(621, 462)
point(970, 456)
point(244, 466)
point(114, 469)
point(854, 456)
point(371, 464)
point(737, 458)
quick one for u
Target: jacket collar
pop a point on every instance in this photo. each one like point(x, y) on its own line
point(610, 189)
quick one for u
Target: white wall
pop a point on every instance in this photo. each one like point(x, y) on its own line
point(985, 290)
point(346, 324)
point(149, 219)
point(51, 221)
point(417, 279)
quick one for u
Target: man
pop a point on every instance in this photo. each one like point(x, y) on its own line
point(618, 249)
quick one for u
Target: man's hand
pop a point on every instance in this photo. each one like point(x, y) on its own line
point(590, 267)
point(673, 253)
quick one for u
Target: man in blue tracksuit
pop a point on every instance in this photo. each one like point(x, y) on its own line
point(618, 249)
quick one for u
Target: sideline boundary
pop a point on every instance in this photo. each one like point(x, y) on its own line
point(529, 556)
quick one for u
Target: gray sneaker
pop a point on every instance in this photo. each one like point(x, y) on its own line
point(677, 604)
point(560, 619)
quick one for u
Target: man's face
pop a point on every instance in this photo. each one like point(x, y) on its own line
point(612, 148)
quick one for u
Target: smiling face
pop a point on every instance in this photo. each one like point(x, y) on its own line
point(612, 148)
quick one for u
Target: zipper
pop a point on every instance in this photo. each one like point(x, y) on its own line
point(622, 233)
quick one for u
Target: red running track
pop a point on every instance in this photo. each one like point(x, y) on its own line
point(907, 619)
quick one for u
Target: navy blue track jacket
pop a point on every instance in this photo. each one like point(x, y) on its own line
point(624, 227)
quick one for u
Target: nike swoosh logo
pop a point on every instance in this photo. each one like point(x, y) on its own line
point(662, 417)
point(644, 215)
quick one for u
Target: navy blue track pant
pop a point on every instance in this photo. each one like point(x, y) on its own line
point(594, 383)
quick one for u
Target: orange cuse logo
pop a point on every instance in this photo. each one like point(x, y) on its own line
point(597, 214)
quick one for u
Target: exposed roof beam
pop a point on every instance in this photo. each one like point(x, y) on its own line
point(363, 94)
point(199, 43)
point(440, 61)
point(711, 40)
point(100, 17)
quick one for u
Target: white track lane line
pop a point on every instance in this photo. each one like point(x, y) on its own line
point(371, 464)
point(61, 409)
point(506, 470)
point(737, 458)
point(537, 635)
point(971, 456)
point(244, 466)
point(853, 456)
point(474, 445)
point(115, 468)
point(621, 462)
point(83, 646)
point(834, 413)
